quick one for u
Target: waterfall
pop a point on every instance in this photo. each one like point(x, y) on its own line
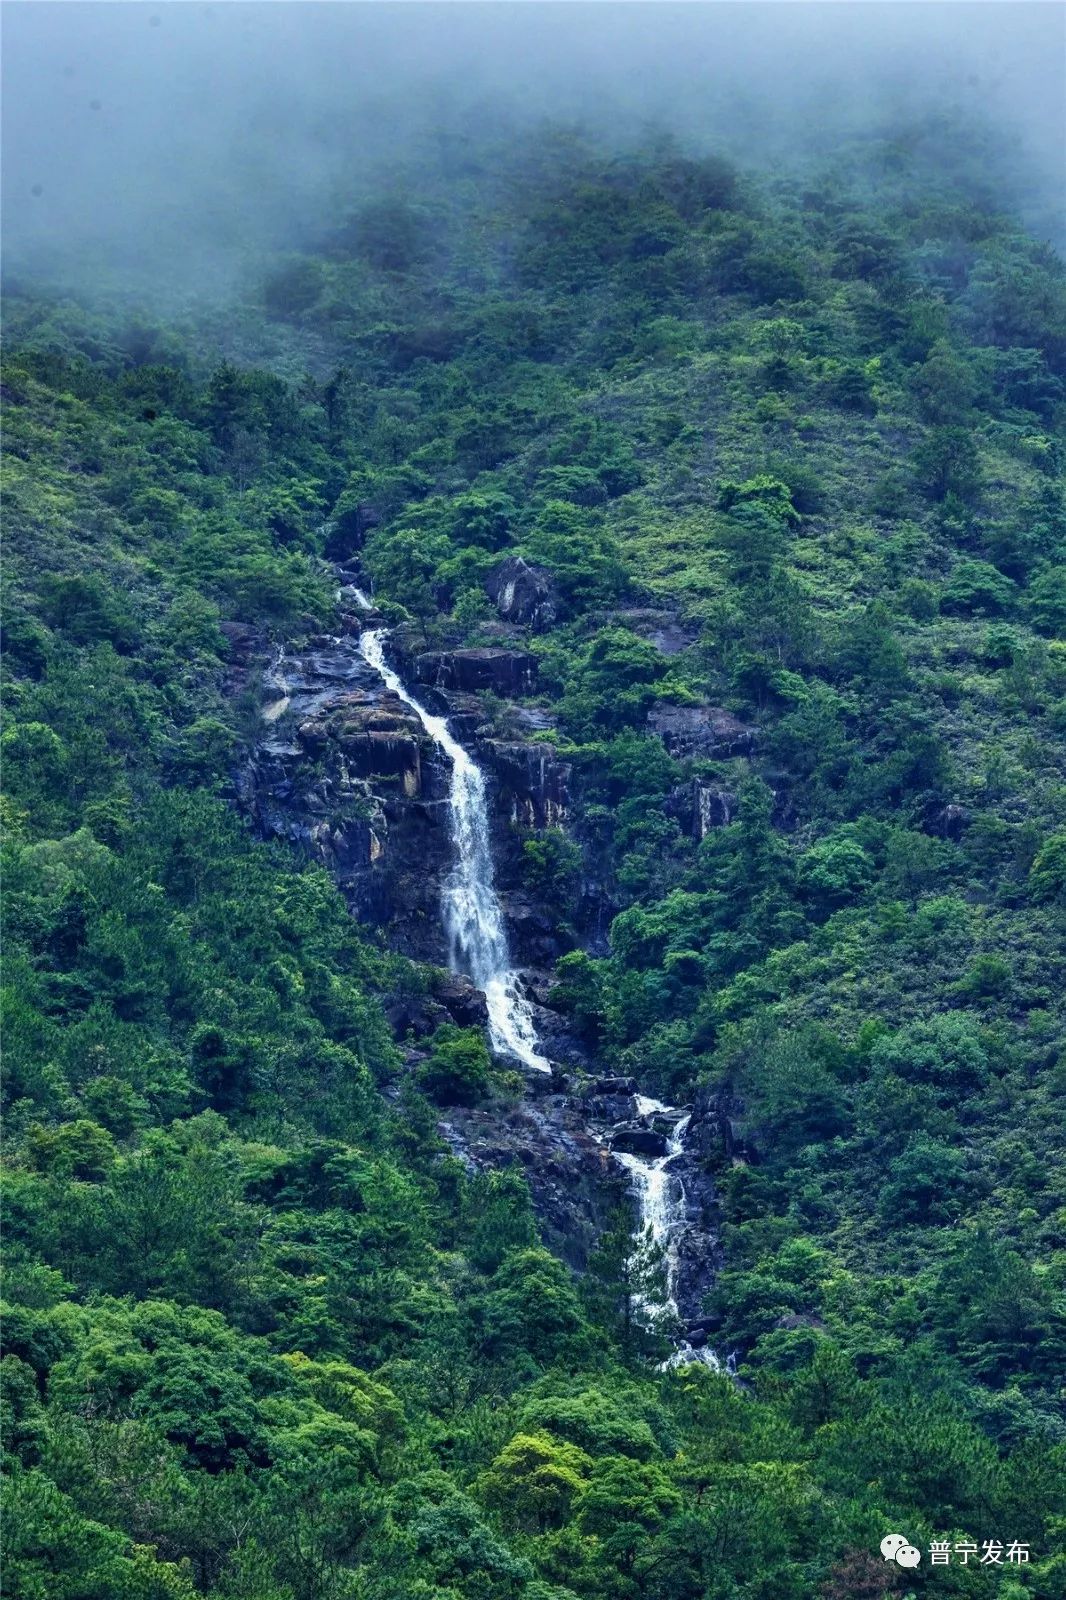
point(660, 1197)
point(478, 946)
point(473, 919)
point(659, 1192)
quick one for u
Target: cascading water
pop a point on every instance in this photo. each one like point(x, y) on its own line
point(478, 941)
point(472, 915)
point(660, 1198)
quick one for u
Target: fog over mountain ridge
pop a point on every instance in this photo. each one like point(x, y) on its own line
point(167, 141)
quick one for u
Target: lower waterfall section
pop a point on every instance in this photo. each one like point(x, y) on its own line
point(660, 1196)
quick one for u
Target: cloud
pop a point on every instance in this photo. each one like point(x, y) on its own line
point(178, 139)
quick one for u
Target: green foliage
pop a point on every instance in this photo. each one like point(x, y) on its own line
point(786, 453)
point(457, 1069)
point(976, 588)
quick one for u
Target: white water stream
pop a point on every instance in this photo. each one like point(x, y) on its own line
point(659, 1192)
point(472, 915)
point(478, 946)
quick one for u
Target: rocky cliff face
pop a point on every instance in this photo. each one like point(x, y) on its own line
point(501, 672)
point(345, 771)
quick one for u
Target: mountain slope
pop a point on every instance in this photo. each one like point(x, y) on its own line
point(785, 458)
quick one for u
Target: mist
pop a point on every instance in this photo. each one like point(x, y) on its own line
point(166, 144)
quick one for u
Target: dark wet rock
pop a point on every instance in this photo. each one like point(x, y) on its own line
point(379, 737)
point(717, 1130)
point(523, 593)
point(637, 1140)
point(557, 1041)
point(704, 1326)
point(534, 719)
point(502, 672)
point(701, 731)
point(465, 713)
point(463, 1001)
point(246, 650)
point(699, 1250)
point(534, 937)
point(573, 1181)
point(611, 1107)
point(345, 773)
point(699, 807)
point(951, 822)
point(531, 780)
point(416, 1016)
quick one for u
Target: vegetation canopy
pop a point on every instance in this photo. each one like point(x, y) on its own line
point(778, 461)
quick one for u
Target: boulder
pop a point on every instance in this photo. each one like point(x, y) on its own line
point(638, 1141)
point(616, 1107)
point(703, 1326)
point(503, 672)
point(463, 1001)
point(704, 731)
point(522, 593)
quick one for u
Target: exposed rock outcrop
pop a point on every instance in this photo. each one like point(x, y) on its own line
point(502, 672)
point(703, 731)
point(523, 593)
point(347, 771)
point(699, 807)
point(464, 1003)
point(532, 781)
point(572, 1179)
point(344, 773)
point(664, 629)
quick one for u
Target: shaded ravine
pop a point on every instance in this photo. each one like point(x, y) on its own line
point(478, 947)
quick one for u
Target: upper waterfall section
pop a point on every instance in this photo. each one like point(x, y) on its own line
point(470, 907)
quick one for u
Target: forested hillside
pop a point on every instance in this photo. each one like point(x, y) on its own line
point(780, 455)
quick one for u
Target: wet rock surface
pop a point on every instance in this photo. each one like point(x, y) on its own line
point(501, 672)
point(345, 770)
point(523, 593)
point(638, 1140)
point(573, 1181)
